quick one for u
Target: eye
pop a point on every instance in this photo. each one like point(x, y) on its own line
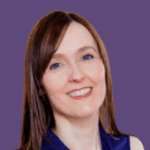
point(55, 66)
point(87, 56)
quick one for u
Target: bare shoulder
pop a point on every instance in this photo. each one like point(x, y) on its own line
point(136, 144)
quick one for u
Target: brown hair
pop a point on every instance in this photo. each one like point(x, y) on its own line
point(42, 43)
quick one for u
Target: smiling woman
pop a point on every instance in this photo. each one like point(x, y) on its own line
point(68, 89)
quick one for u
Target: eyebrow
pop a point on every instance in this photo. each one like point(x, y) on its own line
point(79, 50)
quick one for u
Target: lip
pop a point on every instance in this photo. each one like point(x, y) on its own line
point(82, 97)
point(78, 89)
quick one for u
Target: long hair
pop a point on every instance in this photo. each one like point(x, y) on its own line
point(42, 43)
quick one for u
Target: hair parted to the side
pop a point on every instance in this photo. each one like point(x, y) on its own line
point(42, 43)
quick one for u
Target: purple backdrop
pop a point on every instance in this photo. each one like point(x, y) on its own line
point(125, 29)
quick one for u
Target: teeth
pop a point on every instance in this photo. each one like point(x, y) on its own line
point(81, 92)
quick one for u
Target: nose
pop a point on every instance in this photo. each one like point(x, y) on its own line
point(76, 75)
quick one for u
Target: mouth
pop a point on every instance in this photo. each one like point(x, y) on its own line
point(78, 89)
point(83, 93)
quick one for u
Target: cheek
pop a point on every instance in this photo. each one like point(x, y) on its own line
point(97, 72)
point(54, 83)
point(52, 86)
point(97, 77)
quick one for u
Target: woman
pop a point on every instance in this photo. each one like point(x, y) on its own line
point(68, 90)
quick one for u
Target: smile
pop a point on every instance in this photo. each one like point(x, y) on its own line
point(86, 92)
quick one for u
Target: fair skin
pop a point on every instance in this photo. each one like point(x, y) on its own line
point(76, 120)
point(136, 144)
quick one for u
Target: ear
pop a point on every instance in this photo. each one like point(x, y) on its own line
point(135, 143)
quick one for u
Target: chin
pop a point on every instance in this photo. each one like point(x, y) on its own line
point(85, 113)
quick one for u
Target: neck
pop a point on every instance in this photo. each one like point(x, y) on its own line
point(78, 134)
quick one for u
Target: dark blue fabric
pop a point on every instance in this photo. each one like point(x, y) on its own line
point(108, 143)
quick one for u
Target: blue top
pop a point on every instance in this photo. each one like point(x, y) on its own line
point(108, 143)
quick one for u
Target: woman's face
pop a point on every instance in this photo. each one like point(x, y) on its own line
point(75, 67)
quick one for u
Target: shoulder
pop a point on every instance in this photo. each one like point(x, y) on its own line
point(135, 143)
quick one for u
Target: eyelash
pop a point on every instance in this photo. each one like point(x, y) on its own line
point(58, 63)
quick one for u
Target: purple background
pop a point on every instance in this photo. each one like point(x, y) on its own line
point(125, 29)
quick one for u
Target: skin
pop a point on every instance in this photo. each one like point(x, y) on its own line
point(76, 120)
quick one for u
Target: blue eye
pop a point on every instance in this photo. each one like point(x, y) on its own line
point(54, 66)
point(86, 56)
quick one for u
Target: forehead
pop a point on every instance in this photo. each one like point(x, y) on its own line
point(76, 37)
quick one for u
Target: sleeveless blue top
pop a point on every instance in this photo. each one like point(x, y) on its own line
point(108, 143)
